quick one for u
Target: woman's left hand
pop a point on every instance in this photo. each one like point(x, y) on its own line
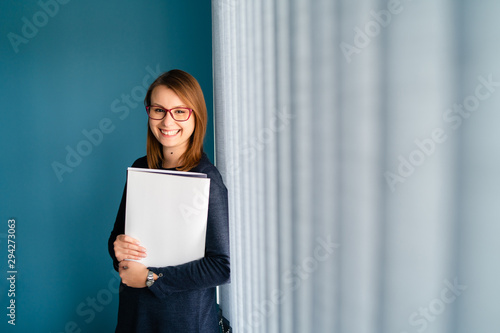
point(133, 274)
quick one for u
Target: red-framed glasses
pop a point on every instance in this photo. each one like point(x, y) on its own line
point(178, 114)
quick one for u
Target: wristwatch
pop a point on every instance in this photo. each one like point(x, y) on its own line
point(150, 280)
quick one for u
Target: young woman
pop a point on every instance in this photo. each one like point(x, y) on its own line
point(175, 298)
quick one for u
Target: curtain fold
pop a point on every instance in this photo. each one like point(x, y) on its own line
point(357, 142)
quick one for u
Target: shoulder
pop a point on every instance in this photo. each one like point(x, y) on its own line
point(141, 162)
point(206, 167)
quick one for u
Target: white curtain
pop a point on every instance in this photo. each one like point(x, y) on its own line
point(358, 140)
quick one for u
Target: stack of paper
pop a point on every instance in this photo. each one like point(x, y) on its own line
point(167, 212)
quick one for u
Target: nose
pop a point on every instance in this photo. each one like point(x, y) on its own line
point(168, 120)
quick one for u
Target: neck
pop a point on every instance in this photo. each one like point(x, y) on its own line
point(171, 157)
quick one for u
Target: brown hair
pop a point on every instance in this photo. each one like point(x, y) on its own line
point(189, 91)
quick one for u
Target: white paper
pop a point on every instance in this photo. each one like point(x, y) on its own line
point(167, 212)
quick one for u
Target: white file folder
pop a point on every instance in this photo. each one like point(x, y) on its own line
point(167, 212)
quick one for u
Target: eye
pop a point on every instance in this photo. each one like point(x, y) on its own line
point(180, 111)
point(157, 110)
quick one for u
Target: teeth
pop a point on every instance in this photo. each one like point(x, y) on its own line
point(170, 132)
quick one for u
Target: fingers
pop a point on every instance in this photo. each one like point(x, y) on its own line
point(122, 254)
point(129, 254)
point(127, 247)
point(128, 242)
point(127, 239)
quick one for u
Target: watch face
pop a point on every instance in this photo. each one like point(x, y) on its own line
point(150, 280)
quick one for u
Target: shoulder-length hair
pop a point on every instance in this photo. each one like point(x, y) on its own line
point(189, 91)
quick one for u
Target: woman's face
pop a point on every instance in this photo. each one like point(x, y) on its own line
point(173, 135)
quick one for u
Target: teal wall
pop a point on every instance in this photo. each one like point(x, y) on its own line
point(73, 77)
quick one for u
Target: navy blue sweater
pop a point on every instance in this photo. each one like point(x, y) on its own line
point(183, 298)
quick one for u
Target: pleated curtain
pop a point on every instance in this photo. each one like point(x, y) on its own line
point(359, 143)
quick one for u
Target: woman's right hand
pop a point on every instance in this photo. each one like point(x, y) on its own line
point(127, 247)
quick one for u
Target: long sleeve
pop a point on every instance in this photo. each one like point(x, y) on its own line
point(118, 229)
point(214, 268)
point(211, 270)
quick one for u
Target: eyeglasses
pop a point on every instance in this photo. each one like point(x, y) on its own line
point(177, 114)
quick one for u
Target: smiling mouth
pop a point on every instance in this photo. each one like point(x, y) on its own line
point(169, 133)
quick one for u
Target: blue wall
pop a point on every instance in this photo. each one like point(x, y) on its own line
point(73, 77)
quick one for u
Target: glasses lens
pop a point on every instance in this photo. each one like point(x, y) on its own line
point(156, 112)
point(180, 114)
